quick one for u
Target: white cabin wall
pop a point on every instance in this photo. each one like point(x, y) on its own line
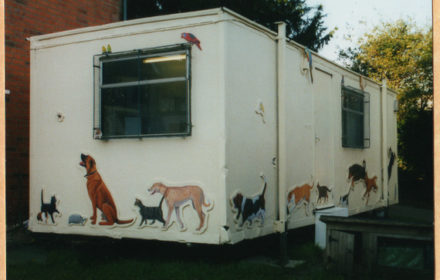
point(62, 81)
point(315, 153)
point(250, 141)
point(300, 132)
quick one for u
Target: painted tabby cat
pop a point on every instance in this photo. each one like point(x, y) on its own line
point(150, 213)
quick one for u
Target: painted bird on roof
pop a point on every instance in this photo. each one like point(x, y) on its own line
point(308, 55)
point(191, 38)
point(106, 50)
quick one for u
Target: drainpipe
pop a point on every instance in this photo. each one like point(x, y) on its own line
point(281, 224)
point(384, 106)
point(281, 125)
point(124, 10)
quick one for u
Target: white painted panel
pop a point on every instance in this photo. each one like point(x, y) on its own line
point(250, 126)
point(62, 81)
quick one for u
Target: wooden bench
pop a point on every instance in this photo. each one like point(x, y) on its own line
point(353, 242)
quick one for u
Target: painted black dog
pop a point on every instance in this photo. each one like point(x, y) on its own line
point(356, 172)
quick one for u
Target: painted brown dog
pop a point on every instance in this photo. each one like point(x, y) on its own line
point(298, 194)
point(177, 196)
point(370, 184)
point(100, 196)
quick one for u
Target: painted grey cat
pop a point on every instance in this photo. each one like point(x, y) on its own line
point(76, 219)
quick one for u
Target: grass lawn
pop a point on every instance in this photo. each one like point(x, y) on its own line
point(31, 256)
point(50, 256)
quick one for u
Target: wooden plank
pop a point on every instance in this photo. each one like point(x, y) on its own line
point(340, 250)
point(369, 250)
point(397, 229)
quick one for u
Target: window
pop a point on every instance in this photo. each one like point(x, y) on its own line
point(355, 118)
point(143, 93)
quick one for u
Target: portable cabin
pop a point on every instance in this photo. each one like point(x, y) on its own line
point(201, 127)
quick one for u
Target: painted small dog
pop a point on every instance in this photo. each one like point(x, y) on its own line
point(370, 184)
point(250, 208)
point(298, 195)
point(322, 193)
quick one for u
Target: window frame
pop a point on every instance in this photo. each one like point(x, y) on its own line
point(345, 135)
point(98, 61)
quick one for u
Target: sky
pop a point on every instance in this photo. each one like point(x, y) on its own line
point(355, 17)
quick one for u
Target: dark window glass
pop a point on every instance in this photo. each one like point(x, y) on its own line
point(164, 108)
point(144, 95)
point(153, 68)
point(120, 111)
point(353, 119)
point(120, 71)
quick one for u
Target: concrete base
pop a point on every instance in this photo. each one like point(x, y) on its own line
point(321, 228)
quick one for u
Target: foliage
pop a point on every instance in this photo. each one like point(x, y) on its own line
point(393, 51)
point(304, 24)
point(401, 53)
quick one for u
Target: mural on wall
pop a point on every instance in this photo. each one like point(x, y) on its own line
point(191, 38)
point(150, 212)
point(48, 209)
point(99, 195)
point(323, 192)
point(343, 200)
point(391, 157)
point(107, 50)
point(176, 198)
point(77, 219)
point(370, 184)
point(250, 208)
point(309, 67)
point(356, 173)
point(299, 196)
point(259, 110)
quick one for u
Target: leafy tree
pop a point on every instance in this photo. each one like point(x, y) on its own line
point(304, 24)
point(402, 54)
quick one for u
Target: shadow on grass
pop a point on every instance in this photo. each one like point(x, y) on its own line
point(47, 256)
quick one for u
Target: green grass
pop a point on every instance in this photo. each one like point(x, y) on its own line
point(71, 257)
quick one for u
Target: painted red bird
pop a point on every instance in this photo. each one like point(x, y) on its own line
point(192, 39)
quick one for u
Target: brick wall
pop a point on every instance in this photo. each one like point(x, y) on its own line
point(25, 18)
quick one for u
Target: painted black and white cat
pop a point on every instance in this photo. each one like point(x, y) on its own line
point(250, 208)
point(48, 209)
point(150, 213)
point(343, 200)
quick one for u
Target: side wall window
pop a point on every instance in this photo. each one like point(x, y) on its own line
point(355, 118)
point(143, 93)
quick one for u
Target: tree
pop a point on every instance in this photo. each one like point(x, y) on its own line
point(304, 24)
point(402, 54)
